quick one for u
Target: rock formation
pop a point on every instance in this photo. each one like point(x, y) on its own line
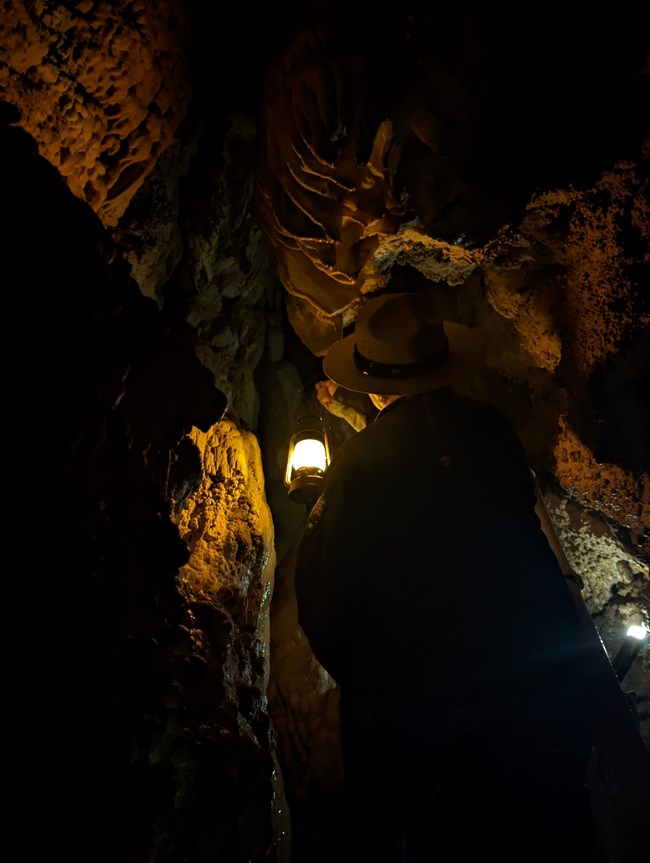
point(195, 208)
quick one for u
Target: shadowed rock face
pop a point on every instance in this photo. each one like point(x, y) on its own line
point(510, 175)
point(426, 150)
point(432, 152)
point(195, 213)
point(102, 87)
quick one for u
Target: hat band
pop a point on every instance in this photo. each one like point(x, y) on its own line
point(398, 371)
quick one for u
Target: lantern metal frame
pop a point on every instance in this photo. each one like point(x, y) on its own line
point(304, 483)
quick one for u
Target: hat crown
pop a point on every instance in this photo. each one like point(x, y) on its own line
point(397, 329)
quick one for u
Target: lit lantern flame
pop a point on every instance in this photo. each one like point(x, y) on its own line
point(309, 453)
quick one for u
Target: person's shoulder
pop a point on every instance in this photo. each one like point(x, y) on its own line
point(480, 405)
point(480, 413)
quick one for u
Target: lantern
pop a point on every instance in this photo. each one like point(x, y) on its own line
point(627, 652)
point(307, 460)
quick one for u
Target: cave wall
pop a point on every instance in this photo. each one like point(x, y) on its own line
point(156, 632)
point(526, 205)
point(103, 88)
point(425, 150)
point(156, 289)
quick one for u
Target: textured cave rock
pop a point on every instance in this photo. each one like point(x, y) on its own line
point(151, 728)
point(137, 734)
point(159, 380)
point(377, 175)
point(227, 581)
point(341, 202)
point(102, 87)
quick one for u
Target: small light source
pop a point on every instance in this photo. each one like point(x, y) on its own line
point(629, 650)
point(307, 460)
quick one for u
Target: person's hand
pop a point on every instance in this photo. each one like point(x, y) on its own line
point(325, 392)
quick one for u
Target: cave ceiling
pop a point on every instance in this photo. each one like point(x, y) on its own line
point(496, 163)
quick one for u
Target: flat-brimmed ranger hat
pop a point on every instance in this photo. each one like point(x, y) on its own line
point(400, 347)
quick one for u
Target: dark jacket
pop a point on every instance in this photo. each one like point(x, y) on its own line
point(424, 580)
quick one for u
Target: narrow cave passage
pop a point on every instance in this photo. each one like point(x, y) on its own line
point(167, 339)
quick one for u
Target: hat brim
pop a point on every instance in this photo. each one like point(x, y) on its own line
point(465, 356)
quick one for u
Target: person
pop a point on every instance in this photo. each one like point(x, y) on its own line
point(428, 590)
